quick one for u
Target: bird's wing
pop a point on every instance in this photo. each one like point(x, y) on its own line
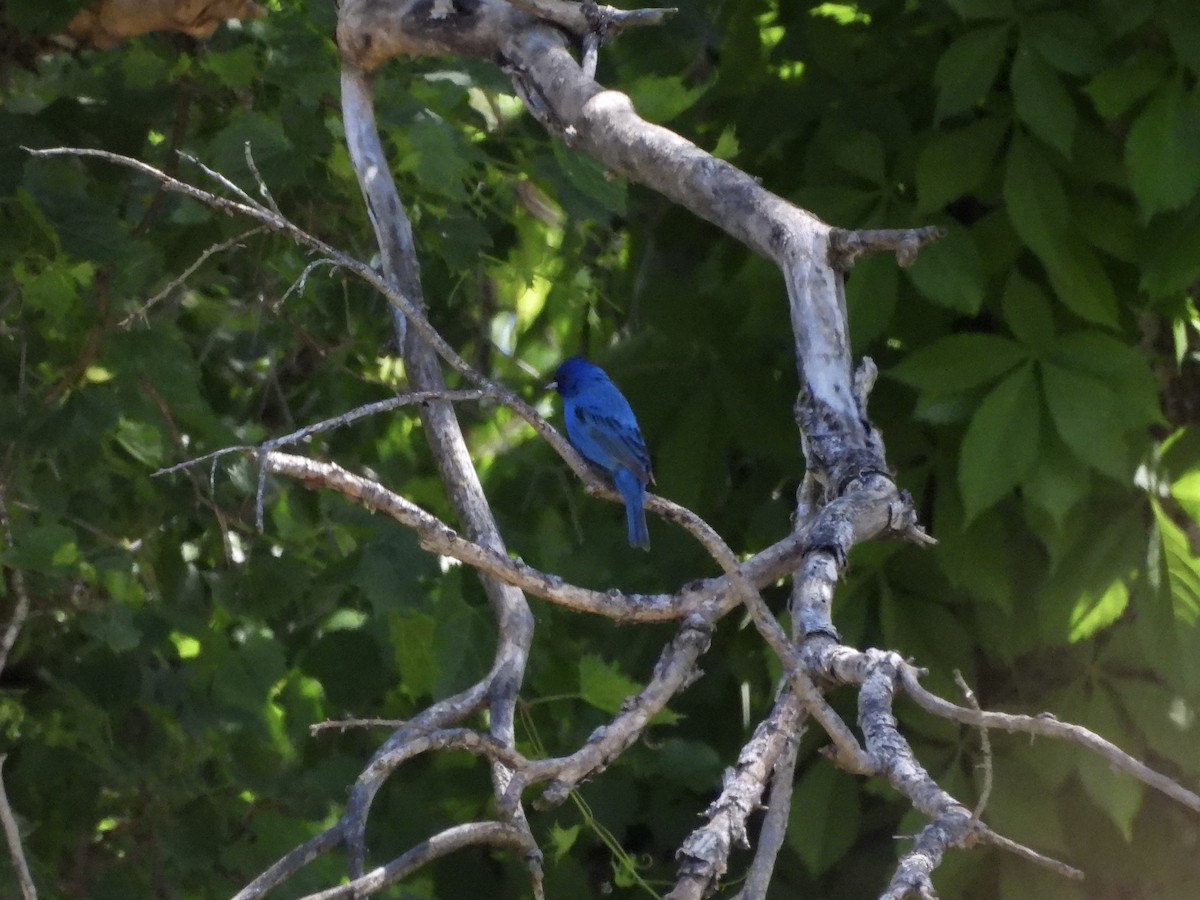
point(618, 436)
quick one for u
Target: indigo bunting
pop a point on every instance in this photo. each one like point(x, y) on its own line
point(602, 427)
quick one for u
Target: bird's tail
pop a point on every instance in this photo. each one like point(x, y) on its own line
point(633, 491)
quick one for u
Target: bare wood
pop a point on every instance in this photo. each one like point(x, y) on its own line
point(704, 854)
point(774, 826)
point(607, 20)
point(514, 621)
point(12, 835)
point(496, 834)
point(107, 23)
point(17, 578)
point(1047, 726)
point(846, 246)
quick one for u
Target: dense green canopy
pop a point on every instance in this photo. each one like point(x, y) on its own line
point(1040, 397)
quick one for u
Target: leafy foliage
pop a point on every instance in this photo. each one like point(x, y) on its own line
point(156, 706)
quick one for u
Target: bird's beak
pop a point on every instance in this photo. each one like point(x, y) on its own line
point(551, 385)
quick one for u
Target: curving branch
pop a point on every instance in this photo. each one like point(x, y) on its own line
point(12, 836)
point(494, 834)
point(704, 855)
point(583, 19)
point(848, 494)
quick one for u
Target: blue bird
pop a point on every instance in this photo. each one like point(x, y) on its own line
point(602, 427)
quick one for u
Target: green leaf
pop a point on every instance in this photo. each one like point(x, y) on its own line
point(1037, 203)
point(1167, 253)
point(141, 440)
point(1124, 370)
point(1182, 27)
point(1027, 312)
point(959, 362)
point(42, 17)
point(562, 840)
point(603, 684)
point(968, 69)
point(1085, 414)
point(1117, 794)
point(727, 145)
point(1182, 568)
point(1116, 89)
point(1095, 611)
point(1080, 281)
point(860, 153)
point(950, 272)
point(584, 187)
point(660, 98)
point(236, 68)
point(350, 667)
point(1066, 40)
point(44, 548)
point(115, 627)
point(982, 9)
point(689, 763)
point(871, 298)
point(390, 569)
point(1163, 150)
point(1057, 483)
point(1169, 723)
point(269, 146)
point(1109, 224)
point(1041, 101)
point(1001, 442)
point(412, 638)
point(820, 845)
point(243, 672)
point(954, 163)
point(51, 290)
point(1022, 804)
point(1186, 490)
point(1038, 209)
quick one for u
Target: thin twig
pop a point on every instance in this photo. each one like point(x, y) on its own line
point(985, 747)
point(368, 409)
point(570, 15)
point(181, 279)
point(12, 835)
point(222, 180)
point(342, 725)
point(498, 834)
point(775, 823)
point(21, 609)
point(262, 183)
point(1048, 726)
point(1059, 868)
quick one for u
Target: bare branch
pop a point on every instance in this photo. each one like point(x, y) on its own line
point(514, 620)
point(21, 608)
point(574, 18)
point(1059, 868)
point(1047, 726)
point(774, 826)
point(674, 671)
point(346, 830)
point(181, 279)
point(343, 725)
point(845, 246)
point(12, 834)
point(704, 855)
point(263, 189)
point(985, 746)
point(498, 834)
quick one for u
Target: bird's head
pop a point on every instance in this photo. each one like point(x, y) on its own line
point(573, 374)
